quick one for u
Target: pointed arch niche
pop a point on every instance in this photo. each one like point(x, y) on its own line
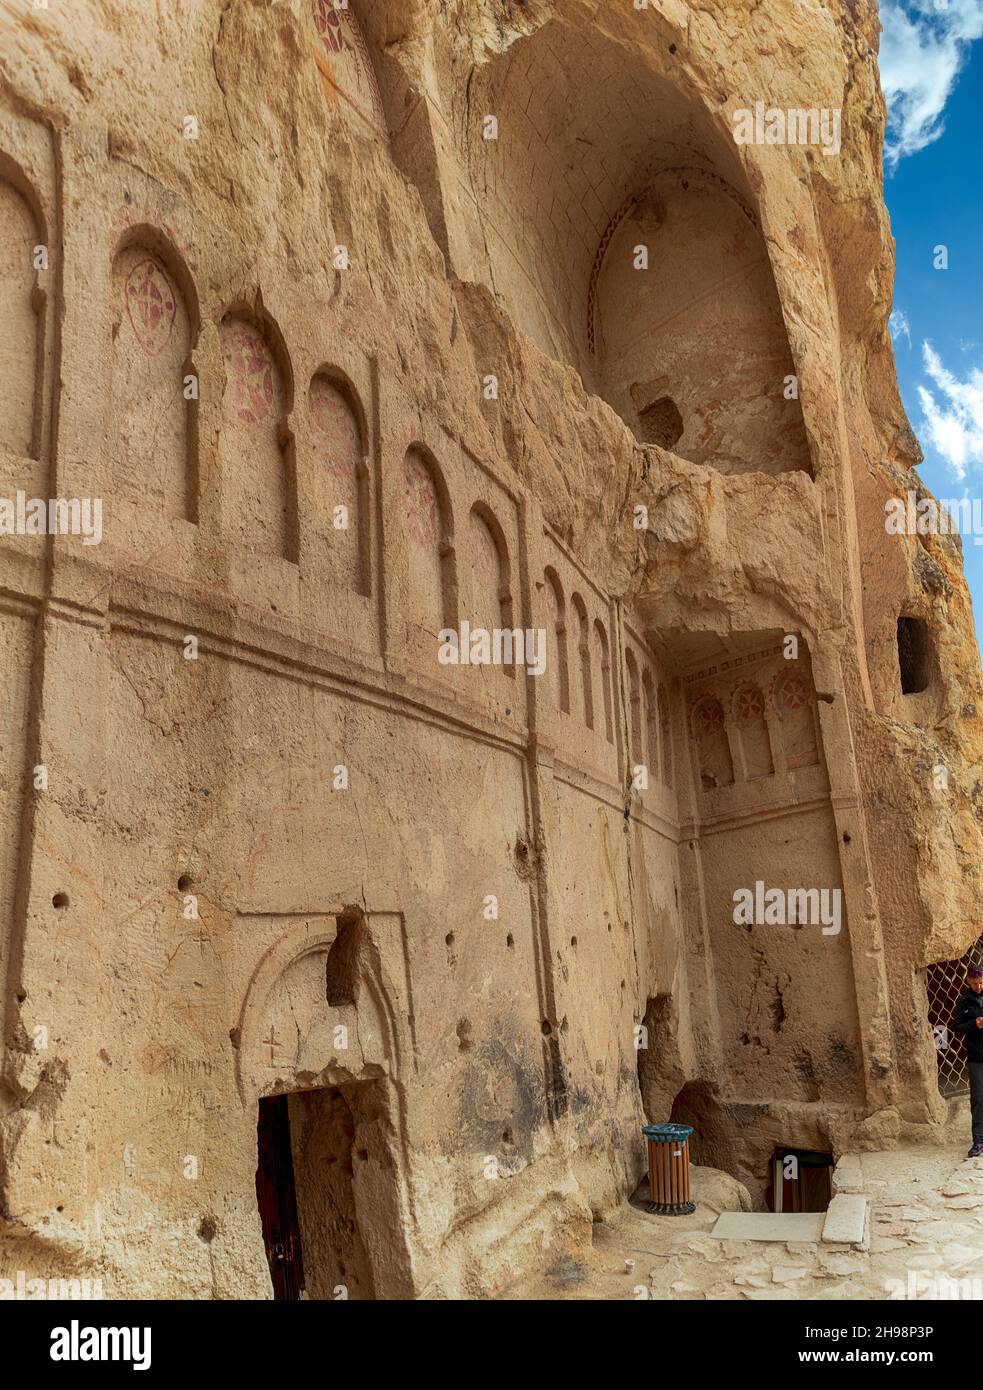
point(635, 712)
point(751, 721)
point(601, 667)
point(583, 640)
point(795, 703)
point(556, 650)
point(22, 300)
point(715, 762)
point(431, 583)
point(489, 573)
point(256, 444)
point(339, 501)
point(154, 381)
point(690, 347)
point(646, 268)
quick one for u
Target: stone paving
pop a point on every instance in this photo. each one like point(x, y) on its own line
point(925, 1242)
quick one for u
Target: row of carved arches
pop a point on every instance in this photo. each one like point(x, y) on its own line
point(152, 427)
point(587, 693)
point(435, 596)
point(155, 390)
point(651, 732)
point(738, 734)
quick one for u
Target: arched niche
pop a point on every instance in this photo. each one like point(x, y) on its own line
point(22, 232)
point(256, 449)
point(601, 672)
point(583, 640)
point(489, 573)
point(795, 704)
point(650, 714)
point(665, 734)
point(559, 127)
point(687, 328)
point(339, 478)
point(716, 765)
point(431, 587)
point(556, 648)
point(287, 1035)
point(690, 350)
point(750, 719)
point(154, 381)
point(635, 708)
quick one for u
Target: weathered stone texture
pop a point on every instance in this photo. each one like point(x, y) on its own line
point(313, 826)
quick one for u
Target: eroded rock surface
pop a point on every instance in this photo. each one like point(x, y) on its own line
point(341, 314)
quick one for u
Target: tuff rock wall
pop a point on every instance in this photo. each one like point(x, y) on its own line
point(347, 365)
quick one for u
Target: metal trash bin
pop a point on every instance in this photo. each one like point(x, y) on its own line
point(669, 1184)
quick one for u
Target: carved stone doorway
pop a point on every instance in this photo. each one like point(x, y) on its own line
point(319, 1161)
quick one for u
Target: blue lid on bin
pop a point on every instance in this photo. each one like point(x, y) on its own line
point(667, 1134)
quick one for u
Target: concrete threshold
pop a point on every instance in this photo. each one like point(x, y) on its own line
point(769, 1225)
point(845, 1223)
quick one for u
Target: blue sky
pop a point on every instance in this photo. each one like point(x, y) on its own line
point(931, 65)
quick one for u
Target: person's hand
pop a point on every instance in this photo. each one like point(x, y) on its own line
point(979, 1022)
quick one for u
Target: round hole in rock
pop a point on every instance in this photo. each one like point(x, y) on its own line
point(208, 1229)
point(184, 883)
point(510, 942)
point(60, 900)
point(449, 939)
point(573, 942)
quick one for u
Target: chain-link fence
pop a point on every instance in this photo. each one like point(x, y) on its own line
point(946, 981)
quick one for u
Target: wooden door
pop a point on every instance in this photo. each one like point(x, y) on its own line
point(278, 1199)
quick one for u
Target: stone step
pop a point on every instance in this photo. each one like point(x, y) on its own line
point(768, 1225)
point(848, 1221)
point(845, 1223)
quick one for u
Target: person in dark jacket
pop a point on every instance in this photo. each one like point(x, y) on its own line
point(968, 1020)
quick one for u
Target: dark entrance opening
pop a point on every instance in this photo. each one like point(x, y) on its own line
point(277, 1198)
point(317, 1152)
point(801, 1180)
point(914, 655)
point(660, 423)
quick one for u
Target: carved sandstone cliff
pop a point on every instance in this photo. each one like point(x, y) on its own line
point(386, 304)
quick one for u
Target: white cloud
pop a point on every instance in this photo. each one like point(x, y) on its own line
point(953, 413)
point(923, 47)
point(898, 326)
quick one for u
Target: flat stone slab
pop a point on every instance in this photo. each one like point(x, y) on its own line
point(848, 1174)
point(768, 1225)
point(846, 1220)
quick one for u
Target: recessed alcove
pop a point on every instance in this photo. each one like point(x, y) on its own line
point(915, 655)
point(658, 422)
point(646, 267)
